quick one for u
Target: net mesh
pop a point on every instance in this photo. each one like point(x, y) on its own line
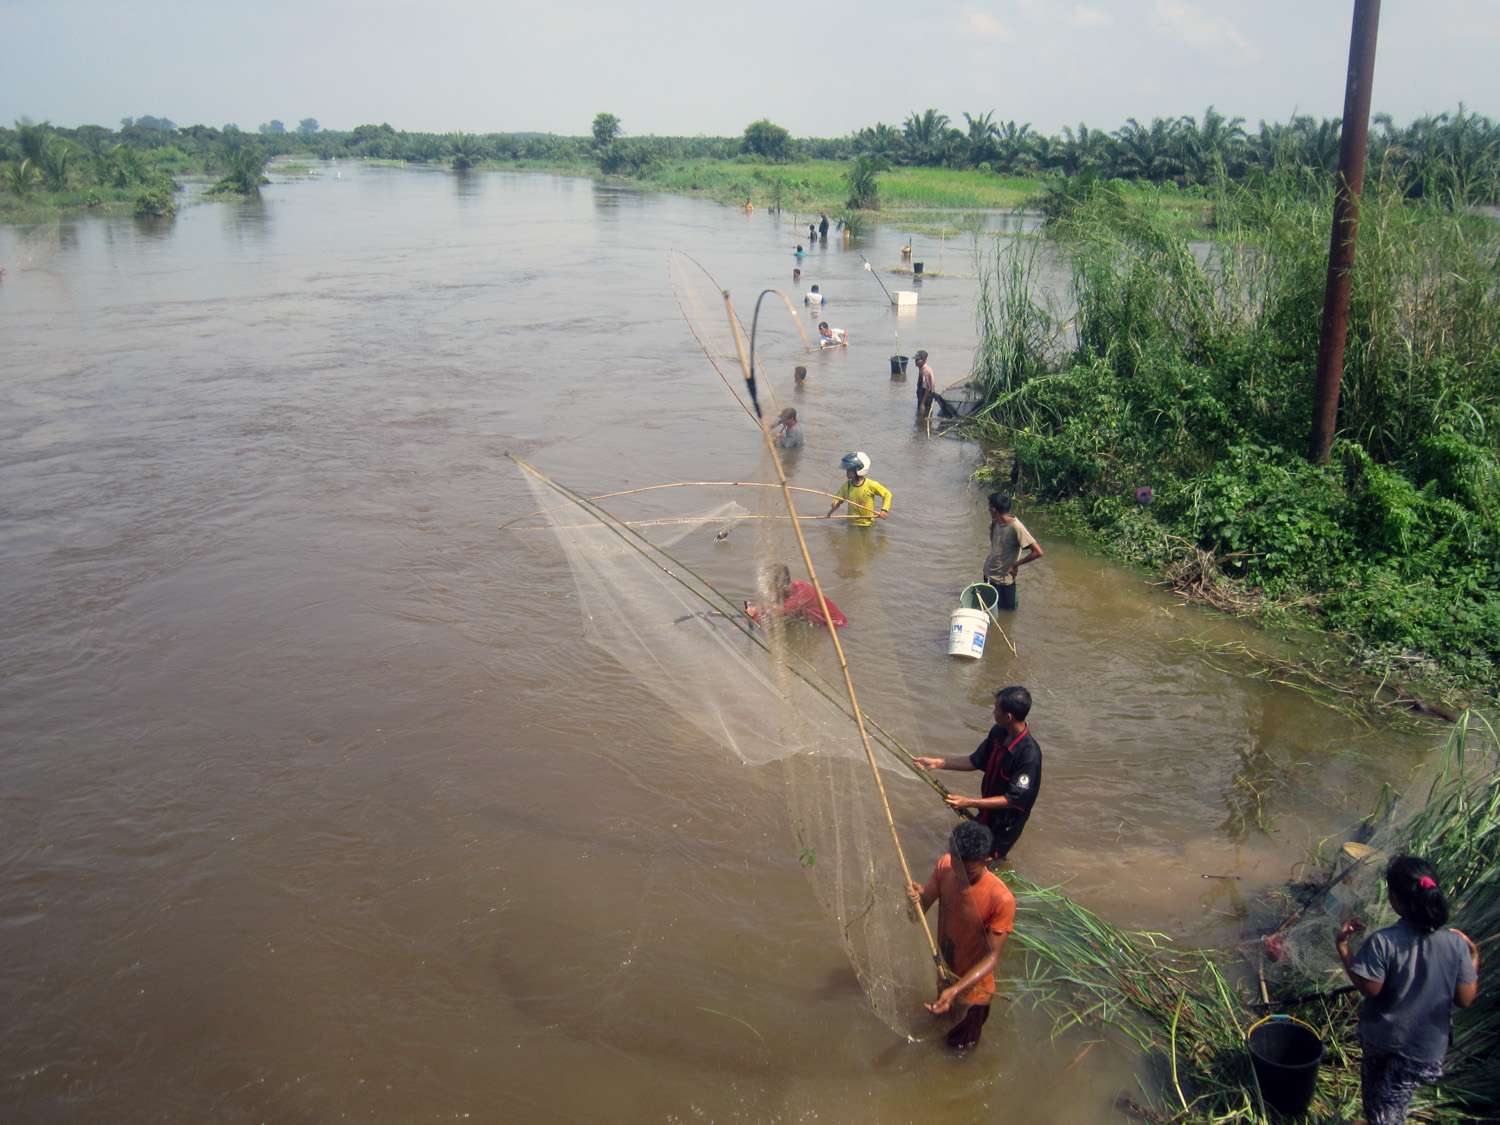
point(765, 694)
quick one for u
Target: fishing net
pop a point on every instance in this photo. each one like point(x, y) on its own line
point(1450, 815)
point(652, 597)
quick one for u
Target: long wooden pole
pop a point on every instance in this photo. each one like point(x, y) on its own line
point(1352, 144)
point(838, 647)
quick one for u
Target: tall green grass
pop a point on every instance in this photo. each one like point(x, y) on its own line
point(1190, 371)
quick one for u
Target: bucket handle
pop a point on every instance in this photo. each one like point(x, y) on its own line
point(1282, 1016)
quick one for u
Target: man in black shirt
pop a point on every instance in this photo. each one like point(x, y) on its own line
point(1012, 765)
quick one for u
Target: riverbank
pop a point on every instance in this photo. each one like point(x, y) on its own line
point(1166, 420)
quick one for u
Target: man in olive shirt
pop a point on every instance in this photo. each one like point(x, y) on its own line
point(1008, 539)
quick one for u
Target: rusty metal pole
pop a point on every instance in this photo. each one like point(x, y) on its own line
point(1352, 142)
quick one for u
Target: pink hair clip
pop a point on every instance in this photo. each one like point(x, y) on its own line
point(1427, 882)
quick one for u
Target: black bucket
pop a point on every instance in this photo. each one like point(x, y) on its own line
point(898, 365)
point(916, 268)
point(1285, 1053)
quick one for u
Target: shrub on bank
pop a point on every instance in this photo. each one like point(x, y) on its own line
point(1189, 370)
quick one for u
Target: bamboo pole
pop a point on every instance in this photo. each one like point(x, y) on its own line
point(679, 484)
point(864, 737)
point(658, 523)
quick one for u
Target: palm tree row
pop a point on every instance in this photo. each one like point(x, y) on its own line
point(1455, 156)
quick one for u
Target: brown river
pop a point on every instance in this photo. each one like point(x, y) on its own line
point(315, 802)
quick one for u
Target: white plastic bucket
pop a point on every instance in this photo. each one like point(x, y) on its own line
point(966, 630)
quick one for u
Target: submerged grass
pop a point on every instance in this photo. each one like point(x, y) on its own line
point(1186, 1015)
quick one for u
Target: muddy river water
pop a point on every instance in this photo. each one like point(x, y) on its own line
point(316, 805)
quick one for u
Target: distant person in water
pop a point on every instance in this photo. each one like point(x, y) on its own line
point(925, 388)
point(823, 229)
point(831, 337)
point(1011, 763)
point(812, 234)
point(797, 600)
point(796, 274)
point(976, 914)
point(1008, 540)
point(813, 298)
point(801, 253)
point(789, 430)
point(861, 493)
point(799, 376)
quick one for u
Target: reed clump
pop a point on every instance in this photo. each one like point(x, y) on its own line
point(1185, 366)
point(1189, 1012)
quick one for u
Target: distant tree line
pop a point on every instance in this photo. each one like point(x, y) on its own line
point(1454, 157)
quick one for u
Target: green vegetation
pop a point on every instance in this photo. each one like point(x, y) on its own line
point(864, 192)
point(243, 163)
point(1183, 1011)
point(1451, 158)
point(1193, 377)
point(767, 141)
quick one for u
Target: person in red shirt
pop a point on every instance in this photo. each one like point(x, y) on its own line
point(796, 599)
point(976, 914)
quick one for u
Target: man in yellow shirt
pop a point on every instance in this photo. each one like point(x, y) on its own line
point(861, 492)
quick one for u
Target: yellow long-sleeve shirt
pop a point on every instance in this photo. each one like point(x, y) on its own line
point(860, 497)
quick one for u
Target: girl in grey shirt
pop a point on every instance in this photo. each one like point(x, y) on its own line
point(1410, 974)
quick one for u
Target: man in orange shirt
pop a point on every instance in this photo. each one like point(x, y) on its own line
point(976, 913)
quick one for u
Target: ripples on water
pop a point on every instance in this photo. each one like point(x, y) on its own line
point(315, 801)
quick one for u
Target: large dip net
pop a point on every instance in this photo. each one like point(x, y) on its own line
point(651, 591)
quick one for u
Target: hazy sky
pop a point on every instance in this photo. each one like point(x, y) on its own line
point(819, 68)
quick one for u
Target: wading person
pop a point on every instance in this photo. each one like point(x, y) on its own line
point(1011, 762)
point(976, 913)
point(813, 297)
point(925, 388)
point(788, 429)
point(799, 376)
point(794, 599)
point(831, 337)
point(1410, 974)
point(1008, 539)
point(861, 492)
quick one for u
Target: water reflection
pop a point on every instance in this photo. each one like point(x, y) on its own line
point(151, 227)
point(247, 219)
point(466, 183)
point(854, 549)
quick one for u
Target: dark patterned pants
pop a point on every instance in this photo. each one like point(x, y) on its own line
point(1387, 1083)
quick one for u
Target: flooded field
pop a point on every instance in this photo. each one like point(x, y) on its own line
point(319, 805)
